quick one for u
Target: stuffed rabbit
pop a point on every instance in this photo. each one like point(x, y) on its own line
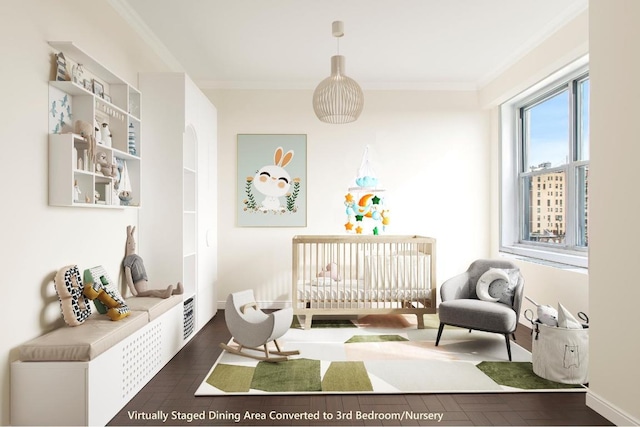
point(136, 275)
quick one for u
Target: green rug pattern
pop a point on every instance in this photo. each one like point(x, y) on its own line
point(519, 375)
point(375, 338)
point(324, 323)
point(298, 375)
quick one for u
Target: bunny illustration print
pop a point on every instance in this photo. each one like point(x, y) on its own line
point(273, 181)
point(271, 190)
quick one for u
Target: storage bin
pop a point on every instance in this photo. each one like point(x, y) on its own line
point(560, 354)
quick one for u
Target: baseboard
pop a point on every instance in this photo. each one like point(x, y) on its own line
point(610, 411)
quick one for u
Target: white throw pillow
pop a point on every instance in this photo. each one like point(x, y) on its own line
point(487, 279)
point(498, 285)
point(566, 319)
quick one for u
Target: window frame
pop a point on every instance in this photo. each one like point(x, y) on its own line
point(513, 173)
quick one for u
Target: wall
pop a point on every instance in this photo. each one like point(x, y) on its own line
point(544, 284)
point(429, 150)
point(613, 287)
point(38, 239)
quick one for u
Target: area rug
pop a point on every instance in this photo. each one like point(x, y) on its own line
point(381, 354)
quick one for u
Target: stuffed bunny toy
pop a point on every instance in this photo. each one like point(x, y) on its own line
point(136, 275)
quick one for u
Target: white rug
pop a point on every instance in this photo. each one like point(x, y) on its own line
point(414, 365)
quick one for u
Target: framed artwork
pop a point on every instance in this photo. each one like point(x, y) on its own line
point(271, 180)
point(98, 88)
point(107, 98)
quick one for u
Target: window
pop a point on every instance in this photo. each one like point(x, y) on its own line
point(545, 140)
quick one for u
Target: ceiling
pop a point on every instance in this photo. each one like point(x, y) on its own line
point(388, 44)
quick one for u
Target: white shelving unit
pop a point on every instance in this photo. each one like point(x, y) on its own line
point(70, 185)
point(72, 169)
point(180, 244)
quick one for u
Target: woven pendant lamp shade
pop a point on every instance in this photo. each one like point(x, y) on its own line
point(338, 98)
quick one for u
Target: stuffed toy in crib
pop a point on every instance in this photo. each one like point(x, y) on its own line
point(136, 275)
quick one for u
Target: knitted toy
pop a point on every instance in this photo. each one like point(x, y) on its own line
point(136, 275)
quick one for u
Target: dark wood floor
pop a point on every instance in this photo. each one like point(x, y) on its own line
point(172, 389)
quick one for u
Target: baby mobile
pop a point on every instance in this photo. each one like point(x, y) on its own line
point(365, 208)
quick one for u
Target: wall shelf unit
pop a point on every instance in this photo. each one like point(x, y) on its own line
point(75, 177)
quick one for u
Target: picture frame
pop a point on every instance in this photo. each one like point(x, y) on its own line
point(107, 98)
point(88, 85)
point(98, 88)
point(271, 180)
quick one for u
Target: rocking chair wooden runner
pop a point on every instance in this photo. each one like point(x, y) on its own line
point(253, 329)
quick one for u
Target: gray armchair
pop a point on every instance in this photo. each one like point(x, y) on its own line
point(461, 306)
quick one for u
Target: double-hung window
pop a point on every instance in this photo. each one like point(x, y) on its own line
point(545, 171)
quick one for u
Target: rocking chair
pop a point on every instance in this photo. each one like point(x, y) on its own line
point(252, 328)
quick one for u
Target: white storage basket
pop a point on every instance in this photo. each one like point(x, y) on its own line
point(560, 354)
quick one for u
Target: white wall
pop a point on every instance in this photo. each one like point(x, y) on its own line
point(613, 236)
point(429, 150)
point(37, 239)
point(544, 284)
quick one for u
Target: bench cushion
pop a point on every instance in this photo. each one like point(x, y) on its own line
point(82, 343)
point(155, 307)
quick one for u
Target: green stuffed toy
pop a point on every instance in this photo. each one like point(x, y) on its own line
point(99, 288)
point(136, 275)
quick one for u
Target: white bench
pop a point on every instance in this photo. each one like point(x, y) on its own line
point(84, 375)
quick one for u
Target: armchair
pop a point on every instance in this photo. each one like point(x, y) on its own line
point(462, 307)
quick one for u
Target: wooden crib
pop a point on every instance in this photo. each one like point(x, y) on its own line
point(360, 275)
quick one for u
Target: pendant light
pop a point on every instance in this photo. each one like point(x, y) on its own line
point(338, 98)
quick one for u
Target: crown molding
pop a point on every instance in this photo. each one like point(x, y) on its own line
point(124, 9)
point(552, 26)
point(369, 86)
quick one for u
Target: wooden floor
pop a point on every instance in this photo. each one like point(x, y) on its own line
point(173, 388)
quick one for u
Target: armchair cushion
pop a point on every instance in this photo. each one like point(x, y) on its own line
point(478, 314)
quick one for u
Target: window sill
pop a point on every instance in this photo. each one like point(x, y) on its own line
point(565, 260)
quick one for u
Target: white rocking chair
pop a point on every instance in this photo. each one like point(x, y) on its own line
point(252, 328)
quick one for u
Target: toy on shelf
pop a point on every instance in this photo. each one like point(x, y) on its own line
point(106, 134)
point(104, 166)
point(124, 186)
point(136, 275)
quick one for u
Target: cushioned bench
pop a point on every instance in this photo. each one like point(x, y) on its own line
point(83, 375)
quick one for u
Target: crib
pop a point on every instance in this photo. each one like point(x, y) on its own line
point(361, 275)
